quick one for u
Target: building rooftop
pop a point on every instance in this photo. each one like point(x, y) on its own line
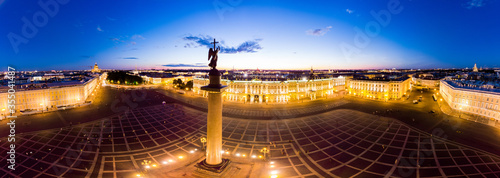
point(491, 86)
point(43, 85)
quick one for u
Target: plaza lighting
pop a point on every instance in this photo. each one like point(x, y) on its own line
point(138, 175)
point(253, 156)
point(180, 157)
point(147, 167)
point(164, 162)
point(243, 155)
point(274, 176)
point(170, 160)
point(222, 152)
point(191, 151)
point(274, 172)
point(154, 165)
point(237, 154)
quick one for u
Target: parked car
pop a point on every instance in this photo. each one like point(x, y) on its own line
point(415, 102)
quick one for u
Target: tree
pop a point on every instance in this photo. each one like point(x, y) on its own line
point(189, 84)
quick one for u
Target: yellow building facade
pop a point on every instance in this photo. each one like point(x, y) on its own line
point(258, 91)
point(52, 96)
point(481, 103)
point(378, 89)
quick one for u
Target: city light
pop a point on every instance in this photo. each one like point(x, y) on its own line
point(253, 156)
point(164, 162)
point(180, 157)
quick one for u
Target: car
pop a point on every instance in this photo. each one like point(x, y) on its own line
point(415, 102)
point(432, 111)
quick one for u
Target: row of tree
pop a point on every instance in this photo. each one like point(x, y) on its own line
point(121, 77)
point(179, 84)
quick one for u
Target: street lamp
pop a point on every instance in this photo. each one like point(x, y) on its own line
point(264, 151)
point(203, 141)
point(41, 105)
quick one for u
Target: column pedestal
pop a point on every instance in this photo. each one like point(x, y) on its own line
point(214, 164)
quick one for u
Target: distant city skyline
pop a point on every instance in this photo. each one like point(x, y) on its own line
point(74, 35)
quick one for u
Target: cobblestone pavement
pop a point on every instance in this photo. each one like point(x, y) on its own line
point(340, 143)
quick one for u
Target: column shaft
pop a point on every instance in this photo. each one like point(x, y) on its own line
point(214, 128)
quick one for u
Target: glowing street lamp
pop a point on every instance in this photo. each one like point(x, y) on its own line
point(146, 164)
point(264, 151)
point(203, 141)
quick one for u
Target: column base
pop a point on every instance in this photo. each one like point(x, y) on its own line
point(202, 168)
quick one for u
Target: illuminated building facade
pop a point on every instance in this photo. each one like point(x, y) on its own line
point(269, 91)
point(383, 89)
point(96, 68)
point(46, 96)
point(468, 98)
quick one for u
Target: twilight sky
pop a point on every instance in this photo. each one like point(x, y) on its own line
point(337, 34)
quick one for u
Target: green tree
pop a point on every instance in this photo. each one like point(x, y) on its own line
point(189, 84)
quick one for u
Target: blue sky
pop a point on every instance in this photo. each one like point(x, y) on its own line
point(337, 34)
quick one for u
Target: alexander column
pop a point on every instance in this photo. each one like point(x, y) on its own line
point(214, 164)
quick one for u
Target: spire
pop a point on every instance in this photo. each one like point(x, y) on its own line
point(474, 69)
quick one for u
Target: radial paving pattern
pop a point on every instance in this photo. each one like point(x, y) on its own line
point(339, 143)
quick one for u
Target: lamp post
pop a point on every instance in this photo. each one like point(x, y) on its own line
point(264, 151)
point(41, 105)
point(146, 165)
point(203, 141)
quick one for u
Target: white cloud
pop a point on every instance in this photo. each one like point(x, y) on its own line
point(349, 11)
point(474, 3)
point(319, 31)
point(137, 37)
point(99, 28)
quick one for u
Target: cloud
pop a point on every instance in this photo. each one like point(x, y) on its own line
point(318, 32)
point(475, 3)
point(130, 58)
point(250, 46)
point(186, 65)
point(99, 28)
point(349, 11)
point(136, 36)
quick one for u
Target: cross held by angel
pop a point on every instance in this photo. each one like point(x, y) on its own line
point(213, 55)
